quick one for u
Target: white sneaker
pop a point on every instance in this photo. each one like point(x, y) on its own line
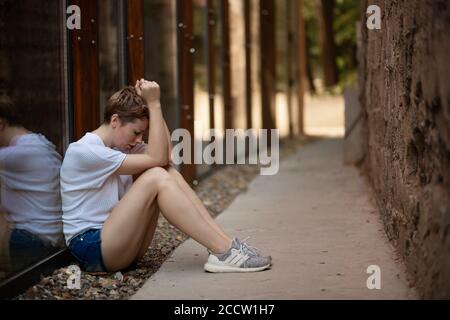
point(237, 259)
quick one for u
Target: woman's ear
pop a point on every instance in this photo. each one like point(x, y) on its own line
point(115, 121)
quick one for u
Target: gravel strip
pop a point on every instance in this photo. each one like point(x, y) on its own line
point(216, 191)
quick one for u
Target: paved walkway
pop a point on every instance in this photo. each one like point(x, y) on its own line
point(324, 115)
point(316, 220)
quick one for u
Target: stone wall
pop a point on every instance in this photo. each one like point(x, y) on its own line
point(405, 94)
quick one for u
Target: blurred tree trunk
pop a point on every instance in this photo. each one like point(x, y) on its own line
point(303, 55)
point(325, 18)
point(303, 81)
point(268, 63)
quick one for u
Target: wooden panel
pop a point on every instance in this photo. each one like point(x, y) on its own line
point(211, 25)
point(85, 69)
point(186, 77)
point(135, 40)
point(227, 101)
point(268, 75)
point(248, 63)
point(160, 34)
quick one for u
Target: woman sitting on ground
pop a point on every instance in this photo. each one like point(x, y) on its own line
point(109, 219)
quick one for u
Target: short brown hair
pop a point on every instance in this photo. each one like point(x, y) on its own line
point(128, 105)
point(8, 110)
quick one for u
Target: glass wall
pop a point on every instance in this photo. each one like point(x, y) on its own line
point(32, 131)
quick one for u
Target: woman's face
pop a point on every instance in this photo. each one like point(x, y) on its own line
point(128, 135)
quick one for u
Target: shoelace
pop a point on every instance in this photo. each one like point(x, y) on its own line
point(249, 249)
point(245, 248)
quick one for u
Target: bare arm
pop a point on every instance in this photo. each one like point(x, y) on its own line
point(169, 143)
point(169, 152)
point(156, 154)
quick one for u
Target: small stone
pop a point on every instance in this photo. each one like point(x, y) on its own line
point(207, 203)
point(118, 276)
point(113, 293)
point(92, 292)
point(105, 282)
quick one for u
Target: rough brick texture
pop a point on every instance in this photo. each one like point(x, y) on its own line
point(405, 92)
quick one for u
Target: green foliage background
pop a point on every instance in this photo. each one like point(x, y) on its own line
point(346, 14)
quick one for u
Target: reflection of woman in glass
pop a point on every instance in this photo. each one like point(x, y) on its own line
point(109, 223)
point(29, 189)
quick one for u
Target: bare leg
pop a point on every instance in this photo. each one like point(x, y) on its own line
point(154, 212)
point(196, 201)
point(127, 226)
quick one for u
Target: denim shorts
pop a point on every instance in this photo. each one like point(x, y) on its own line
point(26, 248)
point(86, 248)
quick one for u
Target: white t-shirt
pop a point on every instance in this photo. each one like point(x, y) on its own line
point(90, 187)
point(29, 188)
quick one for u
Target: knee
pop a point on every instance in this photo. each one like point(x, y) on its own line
point(174, 173)
point(157, 176)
